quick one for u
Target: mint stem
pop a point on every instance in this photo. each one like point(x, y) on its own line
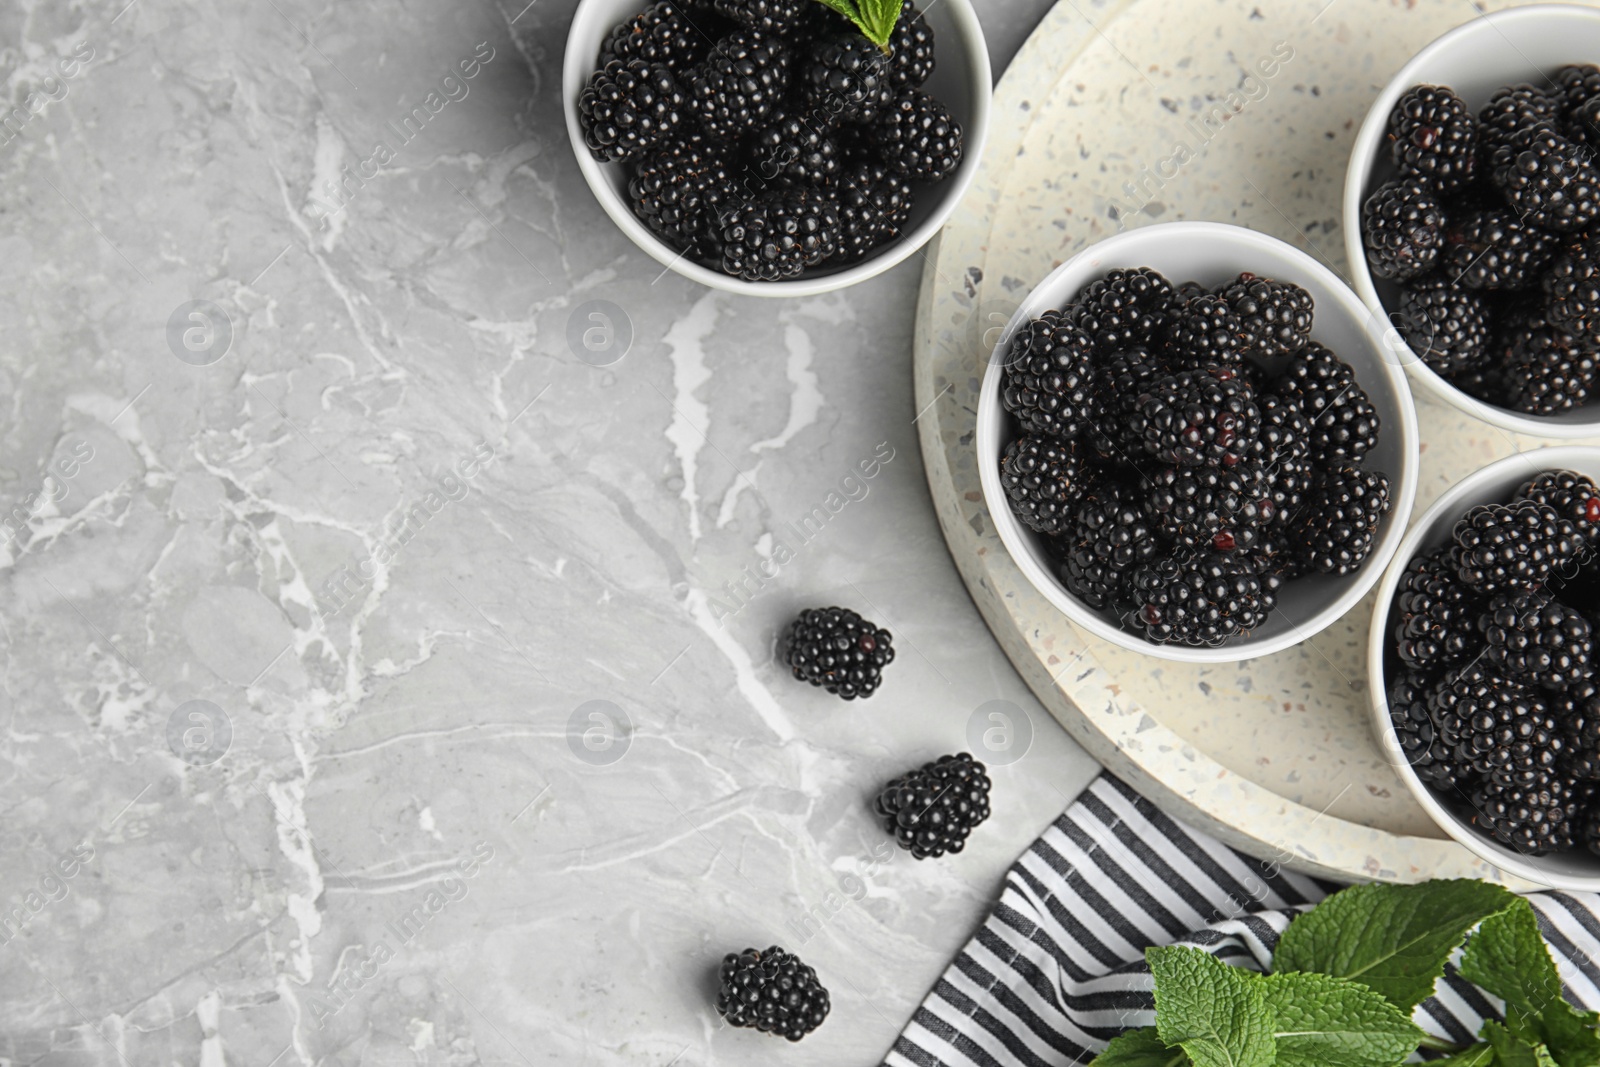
point(1439, 1044)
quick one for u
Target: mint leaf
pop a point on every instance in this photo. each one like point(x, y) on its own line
point(874, 18)
point(1334, 1022)
point(1140, 1048)
point(1214, 1011)
point(1512, 1051)
point(1508, 957)
point(1480, 1055)
point(1393, 938)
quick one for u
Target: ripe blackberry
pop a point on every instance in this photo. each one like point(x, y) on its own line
point(771, 991)
point(1049, 377)
point(1548, 179)
point(661, 33)
point(628, 108)
point(1120, 379)
point(679, 190)
point(795, 148)
point(1402, 228)
point(1579, 86)
point(1275, 316)
point(739, 83)
point(1109, 536)
point(1507, 547)
point(1583, 124)
point(1285, 431)
point(1493, 248)
point(1199, 599)
point(931, 810)
point(1514, 110)
point(1197, 418)
point(918, 137)
point(911, 58)
point(1044, 477)
point(764, 16)
point(779, 234)
point(1432, 759)
point(1445, 325)
point(1572, 288)
point(1344, 423)
point(1536, 639)
point(1334, 530)
point(1128, 307)
point(1574, 496)
point(1534, 817)
point(1486, 380)
point(1577, 713)
point(1543, 368)
point(1203, 331)
point(1436, 614)
point(1221, 508)
point(1275, 560)
point(874, 205)
point(1433, 137)
point(1496, 727)
point(838, 650)
point(843, 77)
point(1585, 823)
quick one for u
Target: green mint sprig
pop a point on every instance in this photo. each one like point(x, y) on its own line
point(1346, 976)
point(874, 18)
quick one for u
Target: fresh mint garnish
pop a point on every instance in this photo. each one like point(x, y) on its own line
point(1141, 1048)
point(1507, 957)
point(1334, 1022)
point(874, 18)
point(1214, 1012)
point(1512, 1051)
point(1480, 1055)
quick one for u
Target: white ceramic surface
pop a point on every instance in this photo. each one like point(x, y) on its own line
point(1212, 253)
point(961, 79)
point(1500, 48)
point(1495, 484)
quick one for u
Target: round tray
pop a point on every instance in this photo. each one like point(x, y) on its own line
point(1120, 114)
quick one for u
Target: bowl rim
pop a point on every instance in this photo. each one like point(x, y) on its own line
point(1456, 500)
point(578, 63)
point(990, 425)
point(1365, 157)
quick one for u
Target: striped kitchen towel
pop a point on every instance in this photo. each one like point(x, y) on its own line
point(1058, 969)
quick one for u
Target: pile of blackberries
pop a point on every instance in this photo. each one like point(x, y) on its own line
point(1492, 685)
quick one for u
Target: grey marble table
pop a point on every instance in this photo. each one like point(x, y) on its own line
point(383, 682)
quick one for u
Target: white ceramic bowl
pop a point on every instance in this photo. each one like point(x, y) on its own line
point(961, 80)
point(1211, 253)
point(1493, 50)
point(1495, 484)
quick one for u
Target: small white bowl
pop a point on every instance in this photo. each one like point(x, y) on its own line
point(1211, 253)
point(1495, 484)
point(1493, 50)
point(961, 80)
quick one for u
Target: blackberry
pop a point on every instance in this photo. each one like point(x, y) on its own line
point(1203, 331)
point(1543, 368)
point(1275, 560)
point(1108, 537)
point(1430, 757)
point(1485, 380)
point(911, 58)
point(1437, 615)
point(1334, 530)
point(1344, 423)
point(843, 77)
point(1586, 830)
point(1492, 248)
point(1514, 110)
point(661, 33)
point(1537, 640)
point(1574, 496)
point(1572, 288)
point(1577, 714)
point(838, 650)
point(795, 148)
point(1199, 599)
point(779, 234)
point(739, 83)
point(1221, 508)
point(1044, 477)
point(1049, 377)
point(1496, 727)
point(1445, 325)
point(771, 991)
point(1196, 418)
point(1548, 179)
point(918, 137)
point(1275, 316)
point(1402, 228)
point(874, 206)
point(1583, 124)
point(1120, 379)
point(1433, 138)
point(1535, 817)
point(931, 810)
point(764, 16)
point(679, 191)
point(1127, 307)
point(1578, 84)
point(1506, 547)
point(628, 108)
point(1285, 431)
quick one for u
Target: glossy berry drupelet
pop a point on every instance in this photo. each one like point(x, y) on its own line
point(795, 148)
point(628, 108)
point(1109, 536)
point(1199, 599)
point(874, 205)
point(1536, 639)
point(838, 650)
point(1574, 496)
point(1548, 180)
point(917, 136)
point(1402, 228)
point(662, 33)
point(933, 809)
point(1533, 817)
point(1275, 316)
point(845, 77)
point(1437, 615)
point(1221, 508)
point(1196, 418)
point(1204, 330)
point(1344, 422)
point(1511, 547)
point(1446, 325)
point(1334, 530)
point(1050, 377)
point(1432, 759)
point(679, 190)
point(1495, 726)
point(771, 991)
point(779, 234)
point(1128, 307)
point(1433, 137)
point(1044, 478)
point(739, 83)
point(1494, 248)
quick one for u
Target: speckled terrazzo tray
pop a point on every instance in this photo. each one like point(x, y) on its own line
point(1273, 755)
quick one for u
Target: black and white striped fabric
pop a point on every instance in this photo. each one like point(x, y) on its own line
point(1058, 969)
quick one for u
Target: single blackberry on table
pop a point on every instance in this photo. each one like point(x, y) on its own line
point(1274, 316)
point(1203, 331)
point(1432, 759)
point(1344, 423)
point(1050, 377)
point(764, 16)
point(1515, 110)
point(1221, 508)
point(1574, 496)
point(1506, 547)
point(874, 205)
point(771, 991)
point(1109, 536)
point(1120, 379)
point(1536, 639)
point(739, 83)
point(1402, 228)
point(1446, 325)
point(843, 77)
point(1334, 530)
point(1128, 307)
point(911, 58)
point(1433, 137)
point(1493, 248)
point(917, 136)
point(628, 108)
point(661, 33)
point(932, 810)
point(779, 234)
point(1496, 727)
point(1572, 288)
point(1437, 615)
point(1199, 599)
point(1549, 180)
point(837, 649)
point(1577, 714)
point(1543, 369)
point(795, 148)
point(1044, 478)
point(1533, 817)
point(1197, 418)
point(679, 190)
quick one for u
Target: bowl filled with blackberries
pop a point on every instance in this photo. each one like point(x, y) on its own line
point(1482, 664)
point(1192, 445)
point(777, 147)
point(1472, 218)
